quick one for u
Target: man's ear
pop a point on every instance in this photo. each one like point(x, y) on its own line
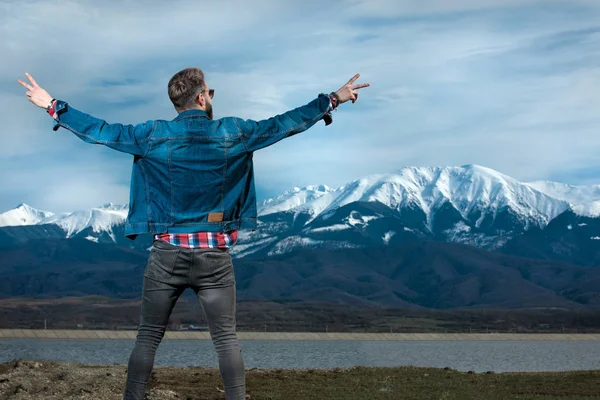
point(201, 101)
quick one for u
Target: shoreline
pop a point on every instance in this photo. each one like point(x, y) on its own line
point(204, 335)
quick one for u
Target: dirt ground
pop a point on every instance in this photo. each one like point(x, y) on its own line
point(24, 380)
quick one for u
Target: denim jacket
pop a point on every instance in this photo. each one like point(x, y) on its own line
point(192, 174)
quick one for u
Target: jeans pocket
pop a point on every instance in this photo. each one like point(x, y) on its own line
point(161, 262)
point(220, 266)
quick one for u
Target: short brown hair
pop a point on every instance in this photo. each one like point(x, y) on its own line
point(185, 86)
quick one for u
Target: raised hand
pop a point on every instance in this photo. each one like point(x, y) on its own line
point(35, 93)
point(349, 90)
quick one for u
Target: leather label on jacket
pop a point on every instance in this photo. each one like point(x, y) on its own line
point(215, 217)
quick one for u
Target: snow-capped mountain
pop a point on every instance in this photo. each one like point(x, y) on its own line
point(573, 236)
point(95, 224)
point(293, 198)
point(23, 215)
point(589, 210)
point(470, 189)
point(100, 219)
point(575, 195)
point(468, 204)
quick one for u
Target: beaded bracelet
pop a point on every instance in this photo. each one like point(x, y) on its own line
point(335, 99)
point(50, 104)
point(51, 110)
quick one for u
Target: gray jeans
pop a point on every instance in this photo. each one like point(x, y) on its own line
point(170, 270)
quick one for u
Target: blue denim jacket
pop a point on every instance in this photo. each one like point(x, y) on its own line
point(192, 174)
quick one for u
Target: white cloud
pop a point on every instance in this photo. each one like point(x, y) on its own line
point(59, 186)
point(399, 8)
point(506, 84)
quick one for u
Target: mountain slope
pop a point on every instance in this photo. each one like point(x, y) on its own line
point(70, 267)
point(427, 274)
point(573, 236)
point(100, 219)
point(572, 194)
point(476, 192)
point(23, 215)
point(103, 224)
point(418, 274)
point(293, 198)
point(469, 204)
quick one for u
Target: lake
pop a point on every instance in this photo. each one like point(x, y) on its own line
point(478, 356)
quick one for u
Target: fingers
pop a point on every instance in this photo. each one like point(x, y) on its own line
point(33, 82)
point(353, 79)
point(360, 86)
point(348, 91)
point(25, 85)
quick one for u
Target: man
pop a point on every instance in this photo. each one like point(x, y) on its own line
point(192, 187)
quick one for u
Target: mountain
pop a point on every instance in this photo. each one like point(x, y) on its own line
point(424, 274)
point(440, 237)
point(93, 221)
point(418, 274)
point(104, 224)
point(470, 204)
point(23, 215)
point(293, 198)
point(476, 192)
point(575, 195)
point(573, 236)
point(73, 267)
point(16, 235)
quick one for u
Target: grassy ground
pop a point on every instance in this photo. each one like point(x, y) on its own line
point(20, 380)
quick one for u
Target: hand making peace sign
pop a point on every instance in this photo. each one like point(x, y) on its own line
point(35, 93)
point(349, 91)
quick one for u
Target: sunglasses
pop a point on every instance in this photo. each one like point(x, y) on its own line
point(211, 92)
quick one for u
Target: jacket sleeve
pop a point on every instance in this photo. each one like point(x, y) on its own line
point(131, 139)
point(260, 134)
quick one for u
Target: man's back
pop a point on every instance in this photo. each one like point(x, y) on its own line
point(196, 169)
point(193, 173)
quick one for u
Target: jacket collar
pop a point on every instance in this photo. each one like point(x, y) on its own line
point(191, 113)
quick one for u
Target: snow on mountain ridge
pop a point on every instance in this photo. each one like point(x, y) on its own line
point(467, 188)
point(584, 200)
point(590, 210)
point(293, 198)
point(99, 219)
point(473, 190)
point(23, 214)
point(575, 195)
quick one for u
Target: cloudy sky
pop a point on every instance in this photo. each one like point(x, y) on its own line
point(513, 85)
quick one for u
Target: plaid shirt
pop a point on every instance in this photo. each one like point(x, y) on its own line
point(200, 240)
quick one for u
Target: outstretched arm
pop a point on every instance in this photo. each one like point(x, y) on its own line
point(260, 134)
point(132, 139)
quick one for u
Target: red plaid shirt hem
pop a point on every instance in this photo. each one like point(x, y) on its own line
point(200, 240)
